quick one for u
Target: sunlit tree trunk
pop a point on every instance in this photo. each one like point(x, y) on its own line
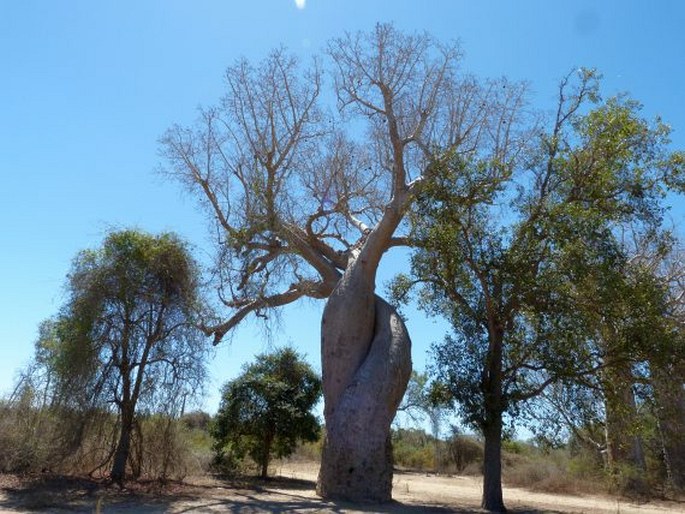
point(366, 363)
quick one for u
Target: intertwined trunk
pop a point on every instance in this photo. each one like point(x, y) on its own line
point(366, 362)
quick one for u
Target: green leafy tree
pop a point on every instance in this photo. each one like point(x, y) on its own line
point(126, 338)
point(504, 244)
point(636, 329)
point(266, 411)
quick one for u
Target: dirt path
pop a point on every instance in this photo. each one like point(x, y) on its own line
point(463, 494)
point(293, 491)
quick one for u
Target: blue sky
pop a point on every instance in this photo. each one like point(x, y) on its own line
point(87, 88)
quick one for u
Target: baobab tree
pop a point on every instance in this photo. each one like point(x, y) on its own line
point(307, 199)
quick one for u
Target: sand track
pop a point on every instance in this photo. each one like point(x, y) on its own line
point(293, 491)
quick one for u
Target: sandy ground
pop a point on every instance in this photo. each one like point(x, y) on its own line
point(293, 491)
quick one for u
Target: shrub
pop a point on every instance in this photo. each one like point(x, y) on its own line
point(465, 452)
point(197, 420)
point(413, 449)
point(309, 451)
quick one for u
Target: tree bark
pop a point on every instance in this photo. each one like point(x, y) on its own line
point(492, 424)
point(264, 474)
point(366, 354)
point(266, 457)
point(492, 466)
point(123, 446)
point(670, 410)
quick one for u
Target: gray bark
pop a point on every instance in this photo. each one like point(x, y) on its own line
point(366, 366)
point(492, 499)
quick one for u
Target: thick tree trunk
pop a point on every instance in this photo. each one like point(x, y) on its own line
point(123, 446)
point(492, 424)
point(366, 366)
point(492, 466)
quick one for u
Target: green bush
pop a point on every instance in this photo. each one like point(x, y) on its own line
point(267, 410)
point(413, 449)
point(516, 447)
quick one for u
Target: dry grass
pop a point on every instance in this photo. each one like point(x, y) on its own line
point(549, 477)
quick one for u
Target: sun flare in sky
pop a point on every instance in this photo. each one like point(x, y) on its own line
point(300, 4)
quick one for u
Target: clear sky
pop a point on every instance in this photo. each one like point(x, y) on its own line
point(87, 88)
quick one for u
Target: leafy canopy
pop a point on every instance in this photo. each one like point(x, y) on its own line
point(509, 247)
point(267, 409)
point(127, 331)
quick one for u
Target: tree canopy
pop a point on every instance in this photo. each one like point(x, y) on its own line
point(510, 248)
point(127, 335)
point(307, 199)
point(266, 411)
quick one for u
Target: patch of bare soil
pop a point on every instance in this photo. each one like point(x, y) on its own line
point(292, 490)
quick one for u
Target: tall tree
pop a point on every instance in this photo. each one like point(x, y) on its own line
point(266, 411)
point(643, 347)
point(307, 201)
point(632, 322)
point(126, 335)
point(504, 243)
point(663, 348)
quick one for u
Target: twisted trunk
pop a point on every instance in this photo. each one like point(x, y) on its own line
point(366, 363)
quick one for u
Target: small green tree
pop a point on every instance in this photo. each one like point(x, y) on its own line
point(267, 410)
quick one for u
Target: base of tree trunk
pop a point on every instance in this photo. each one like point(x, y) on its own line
point(493, 500)
point(494, 506)
point(356, 463)
point(356, 469)
point(118, 472)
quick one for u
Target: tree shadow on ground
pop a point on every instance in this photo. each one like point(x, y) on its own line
point(245, 496)
point(57, 493)
point(288, 495)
